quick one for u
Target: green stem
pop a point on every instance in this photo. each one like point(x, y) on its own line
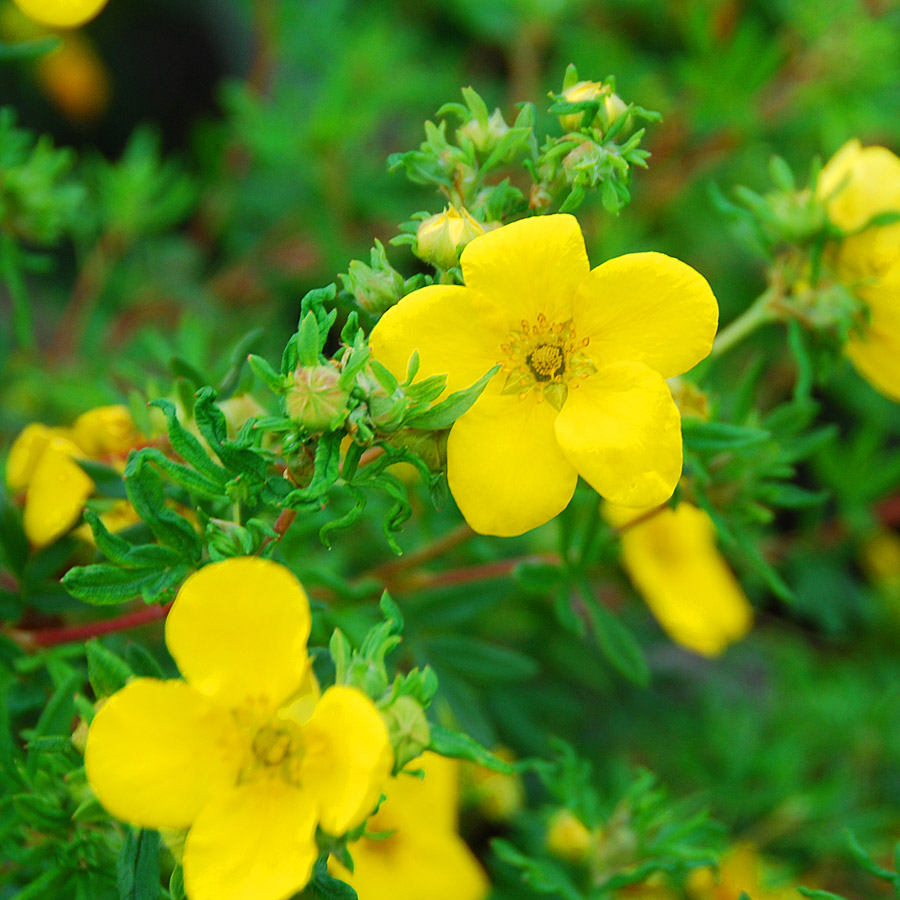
point(759, 313)
point(23, 323)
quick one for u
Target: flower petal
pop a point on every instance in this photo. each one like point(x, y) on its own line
point(56, 493)
point(238, 631)
point(24, 455)
point(158, 750)
point(348, 758)
point(649, 308)
point(456, 332)
point(106, 429)
point(504, 466)
point(621, 430)
point(673, 562)
point(529, 267)
point(256, 842)
point(875, 352)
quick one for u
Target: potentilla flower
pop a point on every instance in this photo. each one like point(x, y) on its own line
point(61, 13)
point(423, 856)
point(583, 356)
point(671, 557)
point(243, 752)
point(42, 465)
point(857, 184)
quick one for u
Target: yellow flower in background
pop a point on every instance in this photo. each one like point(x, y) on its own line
point(42, 464)
point(741, 869)
point(857, 184)
point(423, 858)
point(671, 558)
point(61, 13)
point(584, 354)
point(243, 752)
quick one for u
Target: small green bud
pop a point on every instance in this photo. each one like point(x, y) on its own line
point(316, 399)
point(485, 135)
point(440, 238)
point(408, 730)
point(430, 446)
point(376, 287)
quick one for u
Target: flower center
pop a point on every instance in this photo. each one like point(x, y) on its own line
point(544, 356)
point(276, 750)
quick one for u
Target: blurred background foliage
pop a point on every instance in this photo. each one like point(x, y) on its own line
point(226, 157)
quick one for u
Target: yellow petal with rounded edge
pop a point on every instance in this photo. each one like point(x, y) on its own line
point(858, 183)
point(647, 308)
point(456, 332)
point(673, 562)
point(528, 268)
point(505, 469)
point(875, 352)
point(158, 750)
point(61, 13)
point(255, 842)
point(238, 631)
point(348, 758)
point(56, 494)
point(106, 429)
point(413, 800)
point(621, 431)
point(24, 455)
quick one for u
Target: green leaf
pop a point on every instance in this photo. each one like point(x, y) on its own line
point(819, 895)
point(717, 436)
point(616, 642)
point(102, 584)
point(309, 342)
point(142, 662)
point(478, 660)
point(445, 413)
point(107, 480)
point(538, 577)
point(460, 746)
point(137, 869)
point(325, 887)
point(272, 380)
point(107, 672)
point(188, 447)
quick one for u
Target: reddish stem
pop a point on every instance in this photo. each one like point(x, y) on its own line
point(51, 637)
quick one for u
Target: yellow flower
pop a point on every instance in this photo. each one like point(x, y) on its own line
point(42, 464)
point(672, 560)
point(584, 354)
point(741, 869)
point(74, 77)
point(243, 751)
point(423, 858)
point(497, 796)
point(857, 184)
point(61, 13)
point(567, 836)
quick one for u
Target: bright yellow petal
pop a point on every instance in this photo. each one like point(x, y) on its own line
point(238, 632)
point(621, 430)
point(106, 429)
point(412, 800)
point(673, 562)
point(348, 758)
point(61, 13)
point(529, 267)
point(648, 308)
point(158, 750)
point(504, 466)
point(876, 351)
point(24, 454)
point(858, 183)
point(56, 494)
point(456, 331)
point(255, 842)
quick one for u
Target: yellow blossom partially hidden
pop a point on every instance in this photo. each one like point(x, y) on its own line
point(880, 556)
point(496, 795)
point(583, 356)
point(117, 517)
point(423, 856)
point(671, 558)
point(42, 463)
point(61, 13)
point(741, 869)
point(857, 184)
point(74, 77)
point(567, 836)
point(244, 752)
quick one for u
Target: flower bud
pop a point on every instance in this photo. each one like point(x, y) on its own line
point(408, 729)
point(376, 287)
point(485, 135)
point(567, 836)
point(316, 399)
point(497, 796)
point(581, 92)
point(440, 238)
